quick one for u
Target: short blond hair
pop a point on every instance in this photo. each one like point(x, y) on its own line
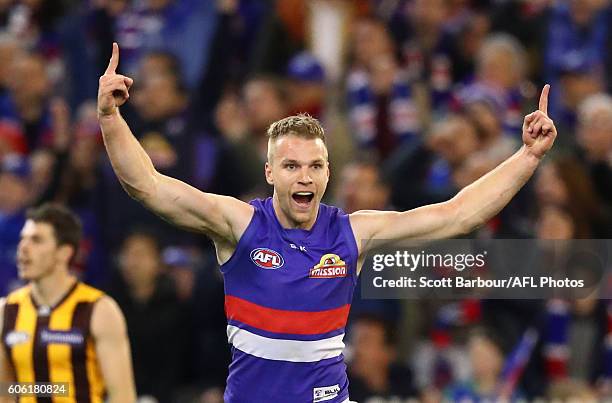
point(301, 125)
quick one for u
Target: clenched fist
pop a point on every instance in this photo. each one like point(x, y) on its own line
point(539, 131)
point(114, 88)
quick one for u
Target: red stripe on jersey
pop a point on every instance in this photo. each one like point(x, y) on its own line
point(282, 321)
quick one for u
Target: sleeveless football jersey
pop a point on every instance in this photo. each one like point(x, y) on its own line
point(54, 344)
point(287, 298)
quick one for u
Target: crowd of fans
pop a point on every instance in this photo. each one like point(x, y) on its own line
point(418, 97)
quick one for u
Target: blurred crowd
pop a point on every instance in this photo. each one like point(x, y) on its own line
point(418, 98)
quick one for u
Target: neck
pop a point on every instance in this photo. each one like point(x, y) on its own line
point(29, 110)
point(375, 376)
point(486, 385)
point(143, 291)
point(50, 289)
point(287, 222)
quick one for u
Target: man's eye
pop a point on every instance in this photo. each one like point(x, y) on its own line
point(291, 166)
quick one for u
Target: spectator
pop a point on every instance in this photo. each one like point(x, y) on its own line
point(362, 187)
point(578, 34)
point(184, 26)
point(501, 67)
point(28, 100)
point(144, 291)
point(565, 183)
point(486, 354)
point(15, 197)
point(429, 165)
point(595, 139)
point(382, 110)
point(306, 85)
point(374, 373)
point(427, 48)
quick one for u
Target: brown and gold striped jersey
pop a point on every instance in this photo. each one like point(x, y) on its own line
point(54, 344)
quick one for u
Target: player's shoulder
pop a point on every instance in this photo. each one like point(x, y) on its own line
point(18, 295)
point(107, 316)
point(88, 293)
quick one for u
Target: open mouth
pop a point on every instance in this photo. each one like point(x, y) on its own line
point(303, 199)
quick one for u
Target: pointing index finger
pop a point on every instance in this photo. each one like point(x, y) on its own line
point(544, 99)
point(114, 60)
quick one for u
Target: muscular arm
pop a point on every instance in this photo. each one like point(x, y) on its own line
point(113, 351)
point(472, 206)
point(223, 218)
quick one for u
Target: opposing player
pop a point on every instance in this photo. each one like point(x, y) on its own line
point(290, 262)
point(57, 329)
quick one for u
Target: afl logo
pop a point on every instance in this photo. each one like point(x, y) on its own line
point(267, 258)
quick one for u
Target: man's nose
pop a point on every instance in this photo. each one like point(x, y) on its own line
point(305, 178)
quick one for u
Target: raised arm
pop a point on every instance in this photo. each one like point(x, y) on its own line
point(223, 218)
point(475, 204)
point(113, 350)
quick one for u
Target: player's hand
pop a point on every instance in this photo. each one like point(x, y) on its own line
point(114, 88)
point(539, 131)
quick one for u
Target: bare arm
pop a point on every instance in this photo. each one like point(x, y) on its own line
point(472, 206)
point(221, 217)
point(6, 372)
point(113, 351)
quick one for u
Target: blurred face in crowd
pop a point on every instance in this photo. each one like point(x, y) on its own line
point(486, 358)
point(383, 71)
point(428, 14)
point(474, 167)
point(486, 120)
point(306, 95)
point(550, 188)
point(140, 261)
point(370, 41)
point(455, 139)
point(29, 81)
point(14, 194)
point(361, 188)
point(582, 11)
point(576, 87)
point(554, 223)
point(158, 4)
point(299, 171)
point(369, 345)
point(157, 97)
point(494, 68)
point(263, 104)
point(595, 134)
point(86, 146)
point(38, 253)
point(9, 51)
point(154, 65)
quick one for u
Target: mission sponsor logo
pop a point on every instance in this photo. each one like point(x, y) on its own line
point(330, 266)
point(267, 258)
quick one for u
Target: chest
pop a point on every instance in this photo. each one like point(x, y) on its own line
point(294, 272)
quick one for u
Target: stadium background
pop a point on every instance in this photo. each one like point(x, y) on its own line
point(418, 98)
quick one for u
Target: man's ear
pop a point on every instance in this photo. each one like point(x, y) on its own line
point(66, 253)
point(268, 172)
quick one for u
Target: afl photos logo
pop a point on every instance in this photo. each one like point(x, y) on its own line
point(267, 258)
point(330, 266)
